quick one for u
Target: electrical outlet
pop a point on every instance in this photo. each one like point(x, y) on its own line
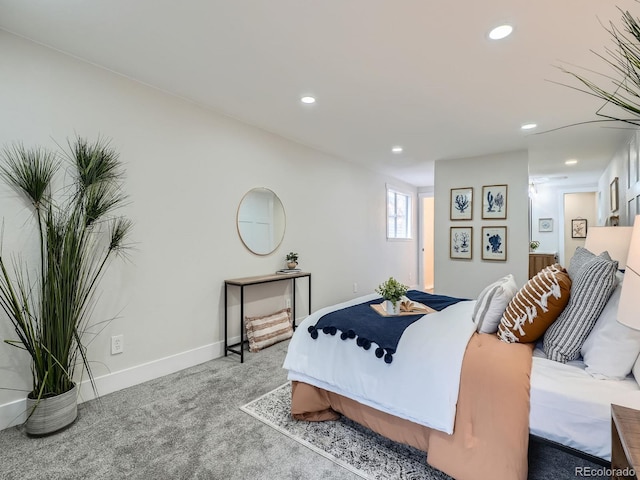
point(287, 303)
point(355, 287)
point(117, 344)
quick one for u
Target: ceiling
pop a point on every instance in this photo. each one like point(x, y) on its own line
point(416, 73)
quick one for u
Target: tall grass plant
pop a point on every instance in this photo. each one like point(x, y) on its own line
point(50, 302)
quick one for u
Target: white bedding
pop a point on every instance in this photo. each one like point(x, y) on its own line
point(568, 405)
point(422, 382)
point(571, 407)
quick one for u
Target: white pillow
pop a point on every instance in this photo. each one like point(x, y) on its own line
point(611, 348)
point(492, 302)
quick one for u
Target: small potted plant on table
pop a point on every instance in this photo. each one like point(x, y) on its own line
point(292, 260)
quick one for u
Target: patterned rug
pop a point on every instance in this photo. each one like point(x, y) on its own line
point(371, 456)
point(346, 443)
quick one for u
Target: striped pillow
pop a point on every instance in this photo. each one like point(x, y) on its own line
point(536, 306)
point(264, 331)
point(580, 258)
point(590, 290)
point(492, 302)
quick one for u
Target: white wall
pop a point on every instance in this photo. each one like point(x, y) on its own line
point(548, 202)
point(544, 204)
point(466, 278)
point(187, 170)
point(628, 190)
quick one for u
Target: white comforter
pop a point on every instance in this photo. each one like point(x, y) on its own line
point(420, 385)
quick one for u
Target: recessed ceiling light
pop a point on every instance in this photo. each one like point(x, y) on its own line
point(528, 126)
point(308, 100)
point(397, 149)
point(500, 32)
point(571, 161)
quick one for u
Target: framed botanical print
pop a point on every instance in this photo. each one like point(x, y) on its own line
point(461, 242)
point(461, 204)
point(494, 243)
point(613, 195)
point(545, 224)
point(494, 202)
point(579, 228)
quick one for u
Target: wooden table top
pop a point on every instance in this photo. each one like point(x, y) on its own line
point(273, 277)
point(627, 422)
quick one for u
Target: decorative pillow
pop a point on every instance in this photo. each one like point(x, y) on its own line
point(611, 348)
point(580, 258)
point(264, 331)
point(590, 291)
point(535, 306)
point(492, 302)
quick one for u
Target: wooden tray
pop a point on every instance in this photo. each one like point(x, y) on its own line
point(379, 308)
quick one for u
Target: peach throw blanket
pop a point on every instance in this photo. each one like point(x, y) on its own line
point(491, 432)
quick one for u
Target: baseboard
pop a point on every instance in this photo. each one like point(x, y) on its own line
point(14, 413)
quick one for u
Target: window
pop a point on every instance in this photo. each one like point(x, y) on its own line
point(398, 214)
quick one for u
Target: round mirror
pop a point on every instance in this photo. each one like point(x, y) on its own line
point(261, 221)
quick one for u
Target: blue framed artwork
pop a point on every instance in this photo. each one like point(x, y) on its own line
point(494, 202)
point(494, 243)
point(545, 224)
point(461, 206)
point(461, 242)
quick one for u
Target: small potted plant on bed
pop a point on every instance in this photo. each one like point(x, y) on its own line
point(533, 245)
point(392, 291)
point(292, 260)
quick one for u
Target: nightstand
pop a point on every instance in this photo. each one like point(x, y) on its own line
point(625, 442)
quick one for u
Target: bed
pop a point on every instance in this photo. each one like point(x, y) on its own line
point(479, 425)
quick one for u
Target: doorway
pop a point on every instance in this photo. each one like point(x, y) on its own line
point(580, 208)
point(426, 250)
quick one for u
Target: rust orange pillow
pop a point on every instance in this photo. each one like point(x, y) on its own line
point(536, 306)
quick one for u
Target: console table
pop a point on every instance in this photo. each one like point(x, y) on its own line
point(247, 281)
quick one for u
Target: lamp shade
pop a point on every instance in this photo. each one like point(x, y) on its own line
point(629, 306)
point(614, 240)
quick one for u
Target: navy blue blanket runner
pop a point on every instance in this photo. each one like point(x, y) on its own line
point(367, 326)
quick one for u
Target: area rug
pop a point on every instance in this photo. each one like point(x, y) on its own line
point(346, 443)
point(371, 456)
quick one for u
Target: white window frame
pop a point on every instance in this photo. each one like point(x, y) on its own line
point(409, 213)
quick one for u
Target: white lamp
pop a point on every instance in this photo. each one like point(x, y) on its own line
point(614, 240)
point(629, 306)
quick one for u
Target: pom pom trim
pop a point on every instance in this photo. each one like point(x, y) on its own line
point(364, 343)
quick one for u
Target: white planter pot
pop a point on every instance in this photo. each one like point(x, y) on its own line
point(51, 414)
point(390, 309)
